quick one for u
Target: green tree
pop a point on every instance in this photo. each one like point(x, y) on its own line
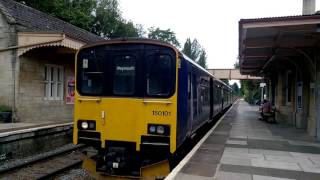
point(203, 59)
point(250, 89)
point(76, 12)
point(192, 49)
point(167, 36)
point(127, 29)
point(108, 21)
point(102, 17)
point(236, 65)
point(187, 49)
point(235, 88)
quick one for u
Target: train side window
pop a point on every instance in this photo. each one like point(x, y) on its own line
point(124, 74)
point(159, 75)
point(195, 87)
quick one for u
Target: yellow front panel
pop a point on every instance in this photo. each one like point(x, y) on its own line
point(126, 119)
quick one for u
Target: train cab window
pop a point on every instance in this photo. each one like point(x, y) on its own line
point(124, 68)
point(91, 74)
point(159, 75)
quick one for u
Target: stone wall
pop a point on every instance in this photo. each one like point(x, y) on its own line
point(312, 125)
point(32, 106)
point(284, 113)
point(289, 113)
point(7, 38)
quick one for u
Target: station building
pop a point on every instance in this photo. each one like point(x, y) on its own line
point(37, 63)
point(286, 52)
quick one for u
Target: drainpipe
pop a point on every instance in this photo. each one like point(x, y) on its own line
point(13, 64)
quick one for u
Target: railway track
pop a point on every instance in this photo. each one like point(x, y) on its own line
point(45, 166)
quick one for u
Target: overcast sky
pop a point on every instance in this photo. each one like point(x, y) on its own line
point(213, 22)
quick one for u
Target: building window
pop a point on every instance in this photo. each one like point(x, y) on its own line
point(53, 82)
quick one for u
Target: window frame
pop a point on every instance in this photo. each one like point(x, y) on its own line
point(134, 57)
point(53, 79)
point(172, 71)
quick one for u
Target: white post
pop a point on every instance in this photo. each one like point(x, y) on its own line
point(262, 85)
point(261, 94)
point(308, 7)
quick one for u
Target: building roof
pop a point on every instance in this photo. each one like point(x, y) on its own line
point(28, 19)
point(262, 41)
point(282, 18)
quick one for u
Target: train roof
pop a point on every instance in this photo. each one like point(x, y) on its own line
point(131, 40)
point(200, 67)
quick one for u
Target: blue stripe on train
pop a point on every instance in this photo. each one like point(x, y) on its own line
point(182, 116)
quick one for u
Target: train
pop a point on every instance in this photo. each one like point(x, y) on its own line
point(137, 101)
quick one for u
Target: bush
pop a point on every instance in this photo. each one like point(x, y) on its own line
point(4, 108)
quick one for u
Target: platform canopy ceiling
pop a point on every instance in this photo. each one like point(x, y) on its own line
point(263, 40)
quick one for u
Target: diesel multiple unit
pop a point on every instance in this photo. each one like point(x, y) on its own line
point(138, 100)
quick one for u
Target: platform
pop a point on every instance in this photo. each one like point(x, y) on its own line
point(9, 127)
point(241, 147)
point(20, 140)
point(15, 131)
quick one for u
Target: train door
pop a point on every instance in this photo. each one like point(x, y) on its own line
point(211, 98)
point(195, 99)
point(222, 99)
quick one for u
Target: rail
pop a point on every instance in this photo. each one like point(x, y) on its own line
point(49, 163)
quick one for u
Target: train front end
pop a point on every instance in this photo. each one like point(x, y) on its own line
point(126, 103)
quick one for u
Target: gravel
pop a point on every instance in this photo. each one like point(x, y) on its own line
point(77, 174)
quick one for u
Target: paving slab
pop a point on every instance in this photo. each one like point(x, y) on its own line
point(183, 176)
point(237, 142)
point(275, 164)
point(236, 161)
point(269, 152)
point(222, 175)
point(258, 177)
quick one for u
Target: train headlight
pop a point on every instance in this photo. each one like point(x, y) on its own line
point(92, 125)
point(84, 125)
point(152, 129)
point(159, 129)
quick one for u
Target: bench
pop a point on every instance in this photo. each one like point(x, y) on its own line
point(269, 117)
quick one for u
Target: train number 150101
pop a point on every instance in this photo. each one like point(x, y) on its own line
point(161, 113)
